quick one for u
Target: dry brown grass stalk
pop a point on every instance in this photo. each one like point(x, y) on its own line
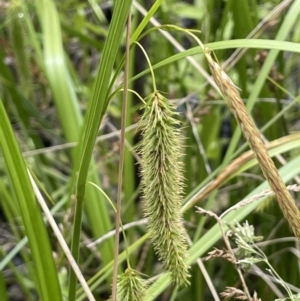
point(251, 133)
point(235, 165)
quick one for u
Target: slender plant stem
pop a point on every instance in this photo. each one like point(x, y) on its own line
point(238, 269)
point(228, 246)
point(121, 161)
point(150, 66)
point(60, 239)
point(252, 135)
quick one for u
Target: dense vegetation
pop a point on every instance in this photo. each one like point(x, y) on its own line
point(76, 163)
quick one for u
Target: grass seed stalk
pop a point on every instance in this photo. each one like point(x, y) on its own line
point(251, 133)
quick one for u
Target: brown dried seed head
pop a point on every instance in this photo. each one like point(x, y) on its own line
point(251, 133)
point(233, 292)
point(221, 253)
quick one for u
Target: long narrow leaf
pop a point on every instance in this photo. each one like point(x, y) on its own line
point(95, 112)
point(46, 275)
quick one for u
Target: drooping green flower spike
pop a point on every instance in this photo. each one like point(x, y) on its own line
point(162, 182)
point(130, 286)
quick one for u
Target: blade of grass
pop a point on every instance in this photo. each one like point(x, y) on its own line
point(95, 112)
point(3, 291)
point(23, 242)
point(121, 160)
point(129, 171)
point(67, 104)
point(56, 70)
point(145, 21)
point(232, 44)
point(46, 275)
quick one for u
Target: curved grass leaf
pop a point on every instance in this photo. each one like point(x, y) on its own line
point(232, 44)
point(95, 112)
point(46, 275)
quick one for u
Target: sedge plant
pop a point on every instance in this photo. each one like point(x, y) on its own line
point(161, 150)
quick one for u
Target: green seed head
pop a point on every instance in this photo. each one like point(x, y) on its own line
point(130, 287)
point(162, 181)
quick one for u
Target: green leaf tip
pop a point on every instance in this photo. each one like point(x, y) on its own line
point(162, 182)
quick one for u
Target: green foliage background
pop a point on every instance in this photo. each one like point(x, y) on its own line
point(61, 83)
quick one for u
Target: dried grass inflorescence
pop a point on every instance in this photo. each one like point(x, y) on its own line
point(232, 292)
point(162, 182)
point(251, 133)
point(221, 254)
point(130, 287)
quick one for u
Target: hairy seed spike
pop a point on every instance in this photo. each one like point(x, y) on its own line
point(130, 287)
point(251, 133)
point(162, 182)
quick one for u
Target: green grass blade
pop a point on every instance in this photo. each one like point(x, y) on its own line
point(67, 104)
point(46, 275)
point(232, 44)
point(56, 70)
point(68, 107)
point(3, 291)
point(99, 101)
point(95, 112)
point(145, 21)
